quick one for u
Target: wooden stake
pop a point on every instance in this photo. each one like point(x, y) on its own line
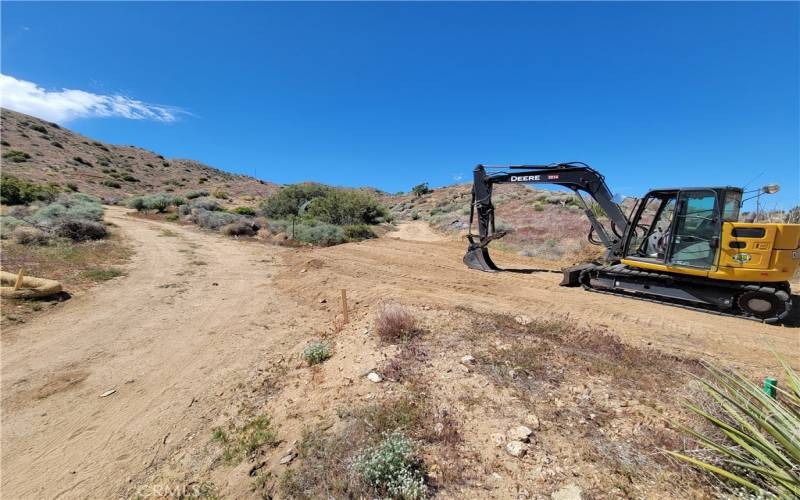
point(20, 275)
point(345, 313)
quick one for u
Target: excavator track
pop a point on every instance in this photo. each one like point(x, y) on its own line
point(769, 303)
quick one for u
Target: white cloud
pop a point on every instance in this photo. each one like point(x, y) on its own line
point(64, 105)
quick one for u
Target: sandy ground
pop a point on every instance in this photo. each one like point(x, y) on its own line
point(416, 269)
point(197, 312)
point(417, 230)
point(193, 314)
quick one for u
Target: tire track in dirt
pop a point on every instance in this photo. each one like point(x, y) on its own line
point(194, 314)
point(432, 273)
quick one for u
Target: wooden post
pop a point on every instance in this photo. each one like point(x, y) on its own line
point(345, 313)
point(20, 275)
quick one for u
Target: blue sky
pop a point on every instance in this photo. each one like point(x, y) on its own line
point(392, 94)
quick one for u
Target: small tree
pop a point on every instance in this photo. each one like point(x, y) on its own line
point(420, 189)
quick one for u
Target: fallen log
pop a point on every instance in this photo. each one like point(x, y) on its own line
point(28, 287)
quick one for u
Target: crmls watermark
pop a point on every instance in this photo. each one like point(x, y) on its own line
point(191, 490)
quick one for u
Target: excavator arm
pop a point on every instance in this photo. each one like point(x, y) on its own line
point(575, 176)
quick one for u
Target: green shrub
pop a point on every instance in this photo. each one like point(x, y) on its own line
point(241, 441)
point(420, 189)
point(344, 207)
point(136, 203)
point(111, 184)
point(159, 202)
point(244, 211)
point(82, 161)
point(392, 468)
point(287, 201)
point(316, 352)
point(16, 156)
point(222, 195)
point(57, 145)
point(171, 218)
point(38, 128)
point(317, 233)
point(358, 232)
point(213, 219)
point(129, 178)
point(15, 191)
point(197, 193)
point(72, 187)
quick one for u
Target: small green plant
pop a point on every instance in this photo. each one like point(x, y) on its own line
point(16, 156)
point(316, 352)
point(172, 217)
point(239, 442)
point(393, 468)
point(111, 184)
point(244, 211)
point(760, 450)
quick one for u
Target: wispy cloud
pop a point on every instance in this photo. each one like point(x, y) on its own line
point(66, 104)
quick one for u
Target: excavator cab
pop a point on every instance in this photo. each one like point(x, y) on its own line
point(681, 227)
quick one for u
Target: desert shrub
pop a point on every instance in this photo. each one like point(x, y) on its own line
point(316, 352)
point(240, 441)
point(358, 232)
point(197, 193)
point(30, 236)
point(14, 191)
point(171, 218)
point(393, 468)
point(213, 219)
point(8, 224)
point(38, 128)
point(244, 211)
point(111, 184)
point(317, 233)
point(72, 187)
point(287, 201)
point(57, 144)
point(16, 156)
point(414, 215)
point(239, 228)
point(393, 322)
point(129, 178)
point(136, 203)
point(344, 207)
point(420, 189)
point(793, 216)
point(81, 230)
point(184, 210)
point(221, 194)
point(205, 204)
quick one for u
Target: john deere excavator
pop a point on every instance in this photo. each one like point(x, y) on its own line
point(683, 246)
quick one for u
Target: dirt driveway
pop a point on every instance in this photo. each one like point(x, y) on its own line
point(194, 314)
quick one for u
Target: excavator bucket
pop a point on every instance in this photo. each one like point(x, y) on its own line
point(477, 257)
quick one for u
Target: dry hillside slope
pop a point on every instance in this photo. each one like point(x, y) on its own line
point(43, 152)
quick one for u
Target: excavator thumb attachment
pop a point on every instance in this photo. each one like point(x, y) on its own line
point(477, 256)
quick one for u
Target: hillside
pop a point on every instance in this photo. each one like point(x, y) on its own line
point(43, 152)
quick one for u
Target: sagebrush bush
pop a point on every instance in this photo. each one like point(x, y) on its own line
point(205, 204)
point(16, 156)
point(317, 233)
point(30, 236)
point(8, 224)
point(393, 468)
point(221, 194)
point(213, 219)
point(393, 322)
point(197, 193)
point(316, 352)
point(359, 232)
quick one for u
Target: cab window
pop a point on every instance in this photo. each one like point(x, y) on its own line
point(732, 203)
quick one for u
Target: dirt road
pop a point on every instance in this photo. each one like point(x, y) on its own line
point(197, 311)
point(194, 314)
point(416, 269)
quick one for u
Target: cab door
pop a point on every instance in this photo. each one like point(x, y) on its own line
point(695, 231)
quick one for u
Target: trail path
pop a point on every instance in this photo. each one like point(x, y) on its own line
point(195, 312)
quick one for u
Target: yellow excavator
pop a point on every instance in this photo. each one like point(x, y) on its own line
point(683, 246)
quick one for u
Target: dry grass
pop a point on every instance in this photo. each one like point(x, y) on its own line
point(394, 323)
